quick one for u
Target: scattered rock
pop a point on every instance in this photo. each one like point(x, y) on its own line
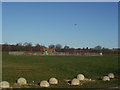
point(4, 84)
point(75, 82)
point(22, 81)
point(80, 77)
point(67, 80)
point(111, 75)
point(15, 85)
point(53, 81)
point(44, 83)
point(89, 80)
point(106, 78)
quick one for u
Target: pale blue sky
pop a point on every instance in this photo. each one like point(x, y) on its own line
point(52, 23)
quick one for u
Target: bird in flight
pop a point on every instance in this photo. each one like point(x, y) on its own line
point(75, 24)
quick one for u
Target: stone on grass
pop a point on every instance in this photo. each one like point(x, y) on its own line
point(44, 83)
point(111, 75)
point(53, 81)
point(75, 82)
point(22, 81)
point(4, 84)
point(106, 78)
point(16, 85)
point(80, 77)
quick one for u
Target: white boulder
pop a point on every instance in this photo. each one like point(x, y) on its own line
point(44, 83)
point(106, 78)
point(80, 77)
point(75, 82)
point(4, 84)
point(111, 75)
point(22, 81)
point(53, 81)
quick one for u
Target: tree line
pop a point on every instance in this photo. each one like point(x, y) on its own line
point(29, 47)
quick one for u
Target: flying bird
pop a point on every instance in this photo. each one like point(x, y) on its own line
point(75, 24)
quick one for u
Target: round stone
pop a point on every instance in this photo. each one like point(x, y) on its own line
point(80, 77)
point(75, 82)
point(4, 84)
point(44, 83)
point(22, 81)
point(111, 75)
point(106, 78)
point(53, 81)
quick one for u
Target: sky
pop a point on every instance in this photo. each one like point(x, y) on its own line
point(76, 24)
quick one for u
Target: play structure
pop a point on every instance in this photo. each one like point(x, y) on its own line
point(47, 51)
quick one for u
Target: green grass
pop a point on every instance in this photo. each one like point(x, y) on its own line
point(39, 68)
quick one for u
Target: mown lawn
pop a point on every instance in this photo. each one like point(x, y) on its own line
point(37, 68)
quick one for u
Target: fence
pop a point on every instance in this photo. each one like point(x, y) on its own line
point(16, 53)
point(57, 53)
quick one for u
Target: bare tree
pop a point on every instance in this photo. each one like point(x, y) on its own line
point(66, 47)
point(18, 46)
point(37, 47)
point(97, 47)
point(51, 46)
point(27, 46)
point(58, 46)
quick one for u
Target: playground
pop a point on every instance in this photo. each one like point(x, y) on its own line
point(63, 52)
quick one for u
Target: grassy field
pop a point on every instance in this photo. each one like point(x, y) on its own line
point(37, 68)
